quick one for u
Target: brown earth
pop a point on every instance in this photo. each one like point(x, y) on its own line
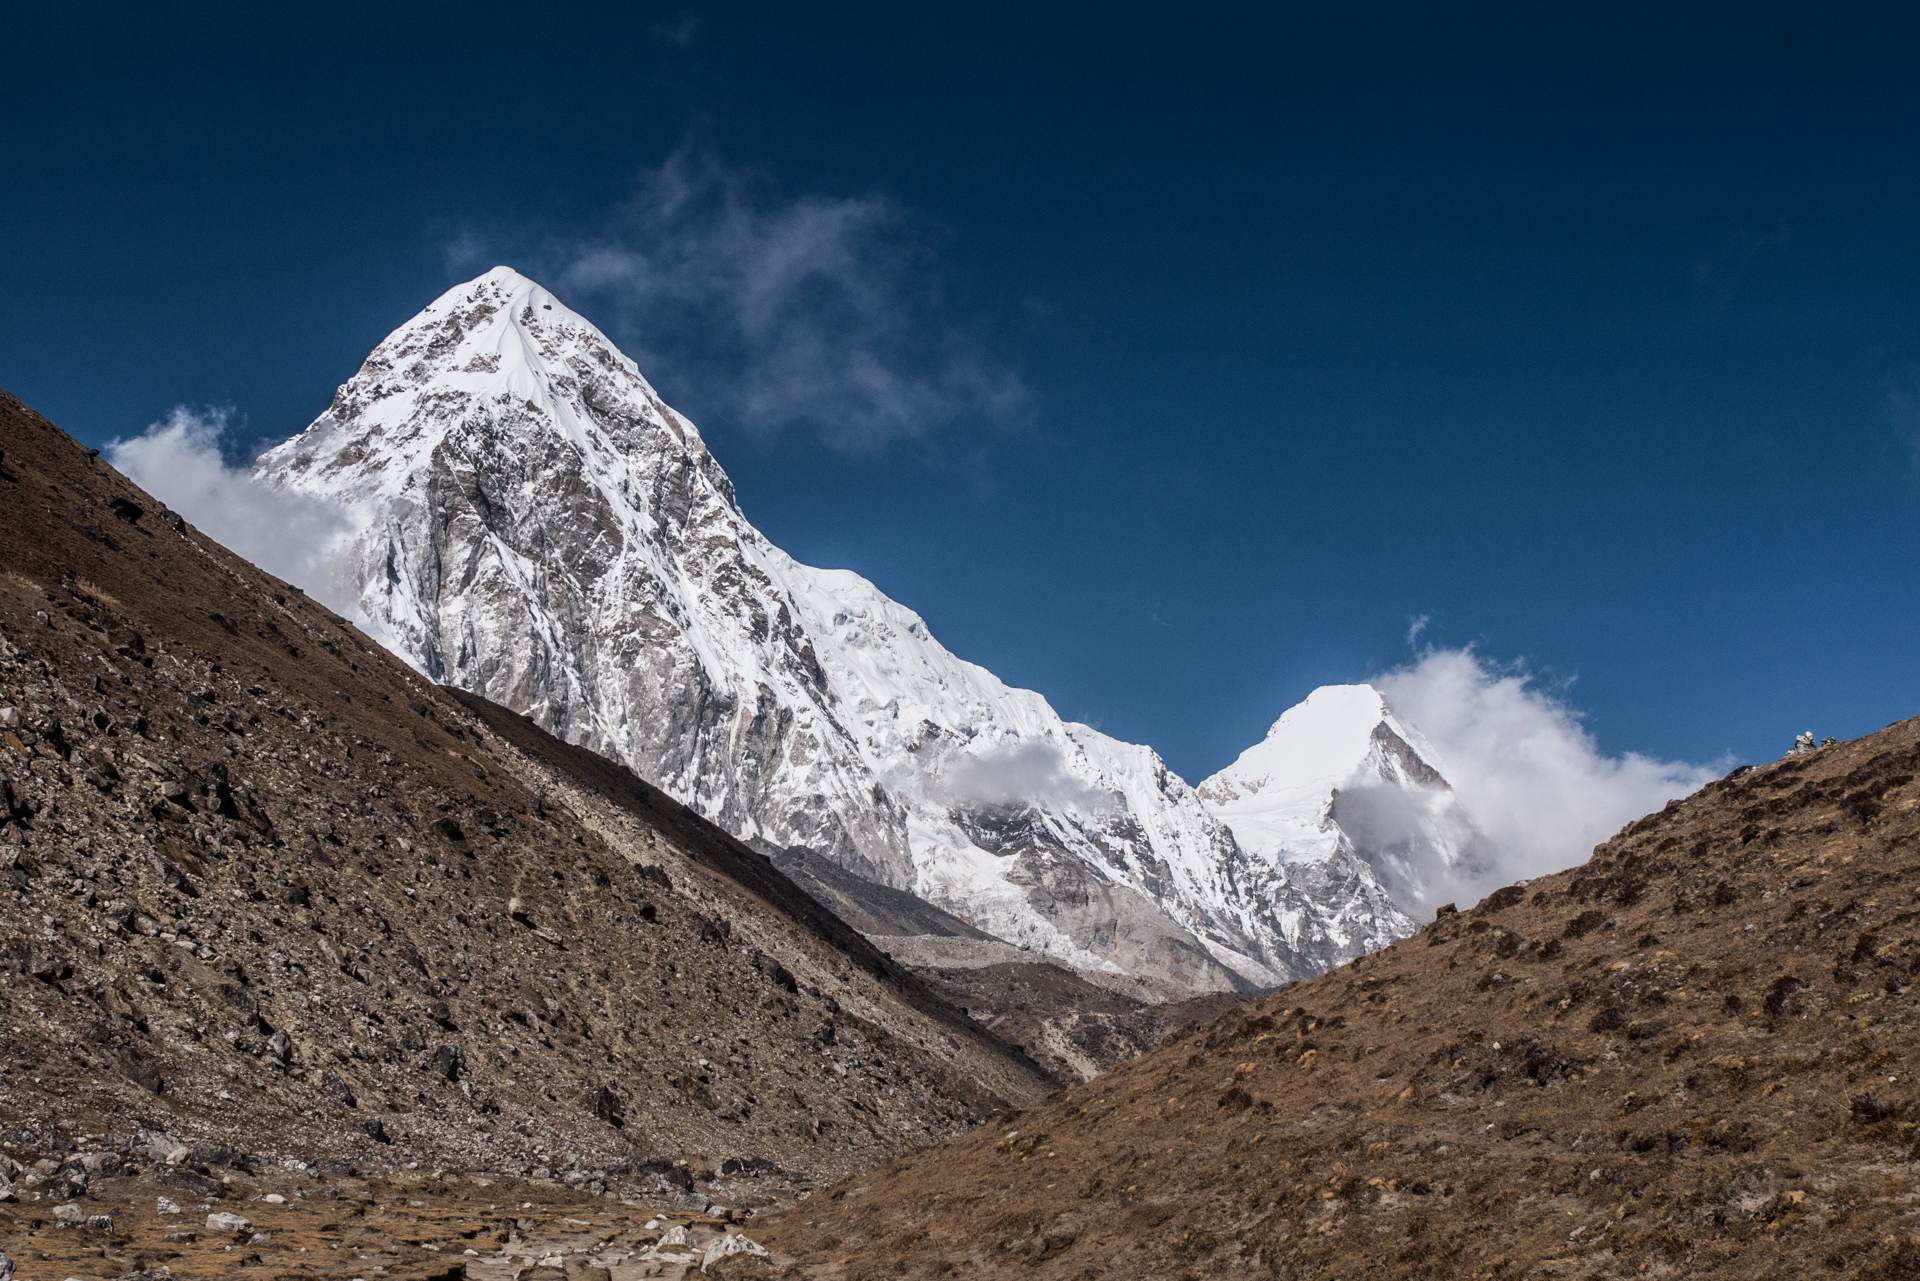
point(270, 895)
point(1691, 1057)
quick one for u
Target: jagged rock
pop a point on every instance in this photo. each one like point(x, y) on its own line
point(192, 1184)
point(228, 1221)
point(337, 1086)
point(213, 1154)
point(726, 1246)
point(606, 1105)
point(447, 1061)
point(162, 1148)
point(101, 1164)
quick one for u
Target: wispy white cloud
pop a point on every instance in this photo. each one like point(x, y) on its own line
point(293, 536)
point(1902, 406)
point(1020, 774)
point(822, 313)
point(680, 33)
point(1530, 776)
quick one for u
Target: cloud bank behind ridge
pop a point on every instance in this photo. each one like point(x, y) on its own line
point(295, 537)
point(1535, 783)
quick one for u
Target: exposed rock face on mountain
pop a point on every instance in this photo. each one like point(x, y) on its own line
point(1691, 1057)
point(272, 894)
point(1339, 778)
point(540, 528)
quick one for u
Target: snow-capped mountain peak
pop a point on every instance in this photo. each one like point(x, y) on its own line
point(1339, 771)
point(538, 526)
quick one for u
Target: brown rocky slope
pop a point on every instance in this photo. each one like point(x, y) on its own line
point(1691, 1056)
point(270, 897)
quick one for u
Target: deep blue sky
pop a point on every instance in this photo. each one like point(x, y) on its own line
point(1591, 332)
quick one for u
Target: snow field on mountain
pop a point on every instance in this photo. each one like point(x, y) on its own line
point(535, 524)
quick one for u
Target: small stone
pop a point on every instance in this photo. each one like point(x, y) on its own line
point(161, 1273)
point(274, 1198)
point(100, 1222)
point(675, 1235)
point(227, 1221)
point(259, 1238)
point(162, 1205)
point(69, 1215)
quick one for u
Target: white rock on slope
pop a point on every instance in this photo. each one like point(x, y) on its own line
point(536, 525)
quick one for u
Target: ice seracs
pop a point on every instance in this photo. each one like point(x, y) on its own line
point(537, 525)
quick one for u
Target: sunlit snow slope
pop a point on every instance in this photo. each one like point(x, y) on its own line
point(539, 527)
point(1339, 776)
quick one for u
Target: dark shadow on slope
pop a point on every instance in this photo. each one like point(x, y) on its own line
point(869, 907)
point(719, 852)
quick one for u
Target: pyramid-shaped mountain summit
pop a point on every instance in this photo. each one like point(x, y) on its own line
point(535, 524)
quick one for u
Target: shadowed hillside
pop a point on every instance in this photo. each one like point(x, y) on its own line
point(274, 896)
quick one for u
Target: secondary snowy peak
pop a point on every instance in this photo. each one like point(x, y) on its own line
point(539, 527)
point(1339, 774)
